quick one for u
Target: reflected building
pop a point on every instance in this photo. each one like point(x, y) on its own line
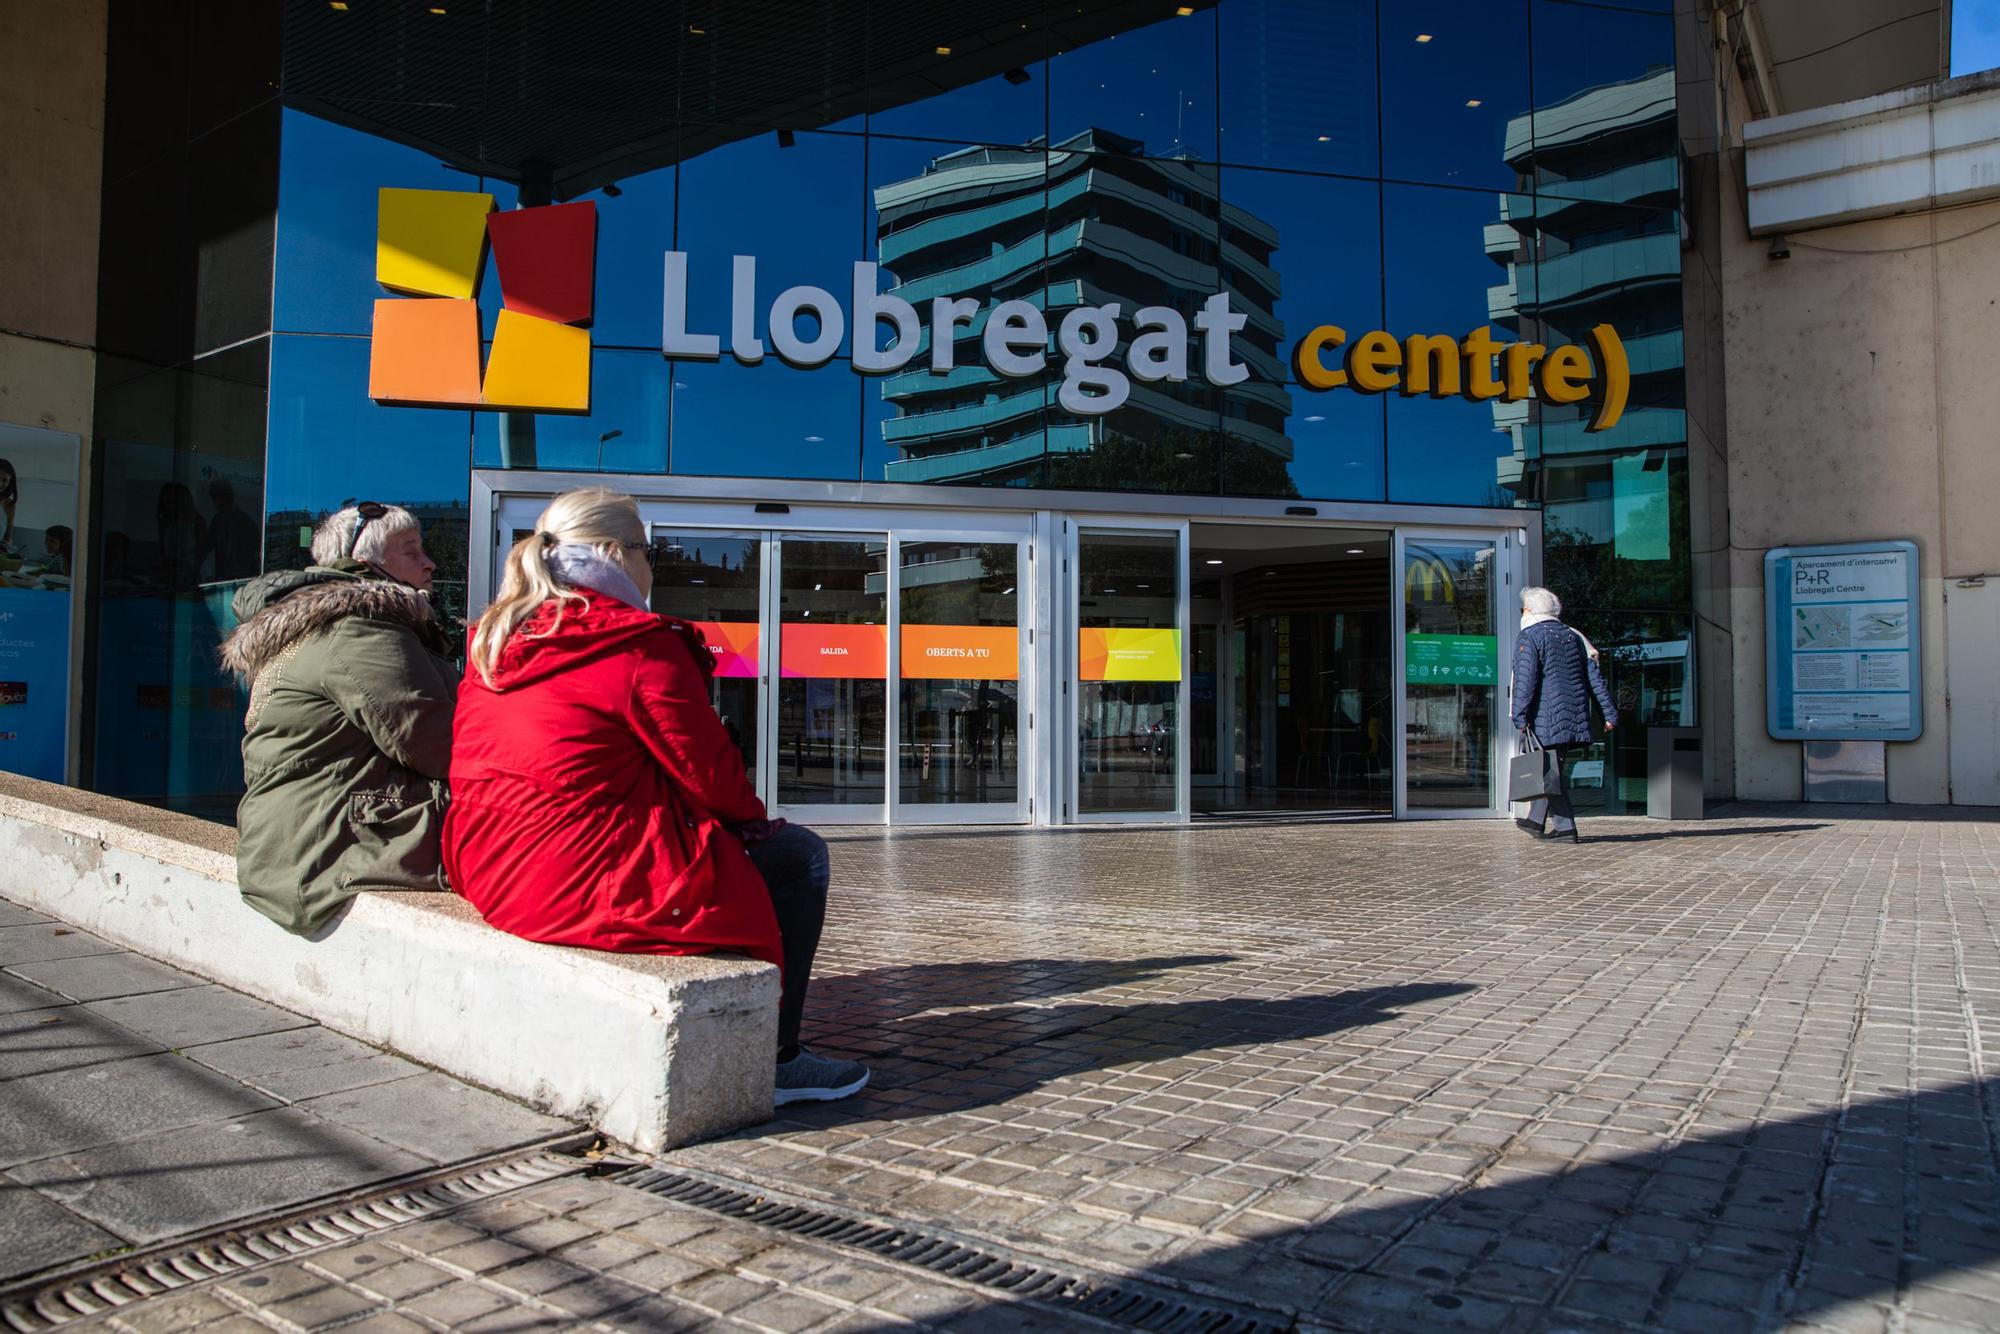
point(1086, 222)
point(1591, 238)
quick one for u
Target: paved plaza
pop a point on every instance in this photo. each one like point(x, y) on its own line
point(1718, 1076)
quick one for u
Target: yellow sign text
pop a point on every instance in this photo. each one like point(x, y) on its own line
point(1475, 368)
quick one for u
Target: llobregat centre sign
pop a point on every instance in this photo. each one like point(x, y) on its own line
point(1015, 343)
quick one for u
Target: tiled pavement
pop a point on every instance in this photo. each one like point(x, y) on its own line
point(1726, 1076)
point(138, 1102)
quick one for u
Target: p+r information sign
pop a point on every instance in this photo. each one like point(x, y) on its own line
point(1843, 655)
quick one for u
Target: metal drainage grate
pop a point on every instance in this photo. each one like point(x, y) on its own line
point(134, 1278)
point(1114, 1301)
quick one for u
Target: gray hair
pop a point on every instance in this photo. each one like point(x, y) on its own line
point(331, 537)
point(1541, 602)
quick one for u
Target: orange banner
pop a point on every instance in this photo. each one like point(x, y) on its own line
point(961, 653)
point(735, 645)
point(833, 651)
point(1123, 653)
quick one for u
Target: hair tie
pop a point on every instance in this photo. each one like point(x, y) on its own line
point(548, 540)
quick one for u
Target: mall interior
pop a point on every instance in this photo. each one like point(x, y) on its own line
point(956, 589)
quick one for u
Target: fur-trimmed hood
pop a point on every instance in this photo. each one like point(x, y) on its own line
point(290, 606)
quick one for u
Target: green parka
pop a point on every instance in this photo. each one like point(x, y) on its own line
point(347, 741)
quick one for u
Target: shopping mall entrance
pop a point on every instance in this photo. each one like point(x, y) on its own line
point(1290, 700)
point(911, 665)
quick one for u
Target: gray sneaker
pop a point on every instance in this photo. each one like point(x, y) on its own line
point(810, 1077)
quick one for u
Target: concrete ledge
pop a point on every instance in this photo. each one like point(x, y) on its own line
point(656, 1051)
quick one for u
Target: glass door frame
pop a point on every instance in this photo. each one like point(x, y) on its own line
point(1509, 569)
point(838, 522)
point(1067, 652)
point(989, 529)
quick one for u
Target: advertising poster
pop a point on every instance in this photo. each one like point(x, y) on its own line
point(961, 653)
point(833, 652)
point(38, 523)
point(1122, 653)
point(736, 645)
point(1843, 649)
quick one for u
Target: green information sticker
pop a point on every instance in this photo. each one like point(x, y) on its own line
point(1451, 660)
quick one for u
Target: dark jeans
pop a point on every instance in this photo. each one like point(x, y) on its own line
point(795, 868)
point(1553, 813)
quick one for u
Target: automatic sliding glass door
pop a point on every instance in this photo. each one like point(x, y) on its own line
point(716, 580)
point(961, 712)
point(1451, 589)
point(830, 739)
point(1129, 684)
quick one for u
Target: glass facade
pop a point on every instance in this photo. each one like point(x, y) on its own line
point(1429, 168)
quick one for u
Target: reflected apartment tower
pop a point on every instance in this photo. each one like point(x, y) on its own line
point(1089, 221)
point(1599, 190)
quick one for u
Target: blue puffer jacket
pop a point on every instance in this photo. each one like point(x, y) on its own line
point(1553, 682)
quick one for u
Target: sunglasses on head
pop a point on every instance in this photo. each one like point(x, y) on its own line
point(363, 512)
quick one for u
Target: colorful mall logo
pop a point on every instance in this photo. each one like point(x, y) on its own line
point(431, 246)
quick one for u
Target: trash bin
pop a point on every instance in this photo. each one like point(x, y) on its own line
point(1673, 773)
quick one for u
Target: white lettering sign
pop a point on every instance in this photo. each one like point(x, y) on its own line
point(1015, 342)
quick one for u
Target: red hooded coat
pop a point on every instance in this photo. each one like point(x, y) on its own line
point(591, 787)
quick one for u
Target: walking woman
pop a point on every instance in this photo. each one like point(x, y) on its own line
point(1555, 676)
point(597, 799)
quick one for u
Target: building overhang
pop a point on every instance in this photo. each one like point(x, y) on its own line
point(594, 91)
point(1814, 53)
point(1902, 152)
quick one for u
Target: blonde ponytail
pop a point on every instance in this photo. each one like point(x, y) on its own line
point(595, 517)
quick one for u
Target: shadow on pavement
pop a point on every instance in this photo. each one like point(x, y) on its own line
point(1738, 831)
point(1749, 1230)
point(847, 1001)
point(937, 1063)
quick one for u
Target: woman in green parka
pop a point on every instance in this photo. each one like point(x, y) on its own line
point(348, 737)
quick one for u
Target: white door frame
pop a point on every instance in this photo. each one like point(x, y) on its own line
point(987, 529)
point(1067, 656)
point(1504, 590)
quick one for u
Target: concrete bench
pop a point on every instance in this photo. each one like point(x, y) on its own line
point(654, 1050)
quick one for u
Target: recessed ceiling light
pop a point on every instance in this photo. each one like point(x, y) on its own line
point(1317, 417)
point(340, 5)
point(1423, 37)
point(1184, 11)
point(1326, 138)
point(815, 439)
point(1145, 586)
point(437, 9)
point(1473, 102)
point(944, 50)
point(1214, 562)
point(1356, 551)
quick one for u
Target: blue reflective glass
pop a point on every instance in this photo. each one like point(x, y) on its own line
point(1136, 233)
point(330, 445)
point(327, 185)
point(1300, 252)
point(625, 430)
point(957, 221)
point(1604, 127)
point(1454, 77)
point(1152, 85)
point(1006, 108)
point(731, 420)
point(1298, 85)
point(1442, 278)
point(800, 212)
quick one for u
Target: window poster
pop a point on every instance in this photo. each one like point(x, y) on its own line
point(38, 523)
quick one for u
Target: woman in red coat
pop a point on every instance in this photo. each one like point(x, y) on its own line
point(596, 799)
